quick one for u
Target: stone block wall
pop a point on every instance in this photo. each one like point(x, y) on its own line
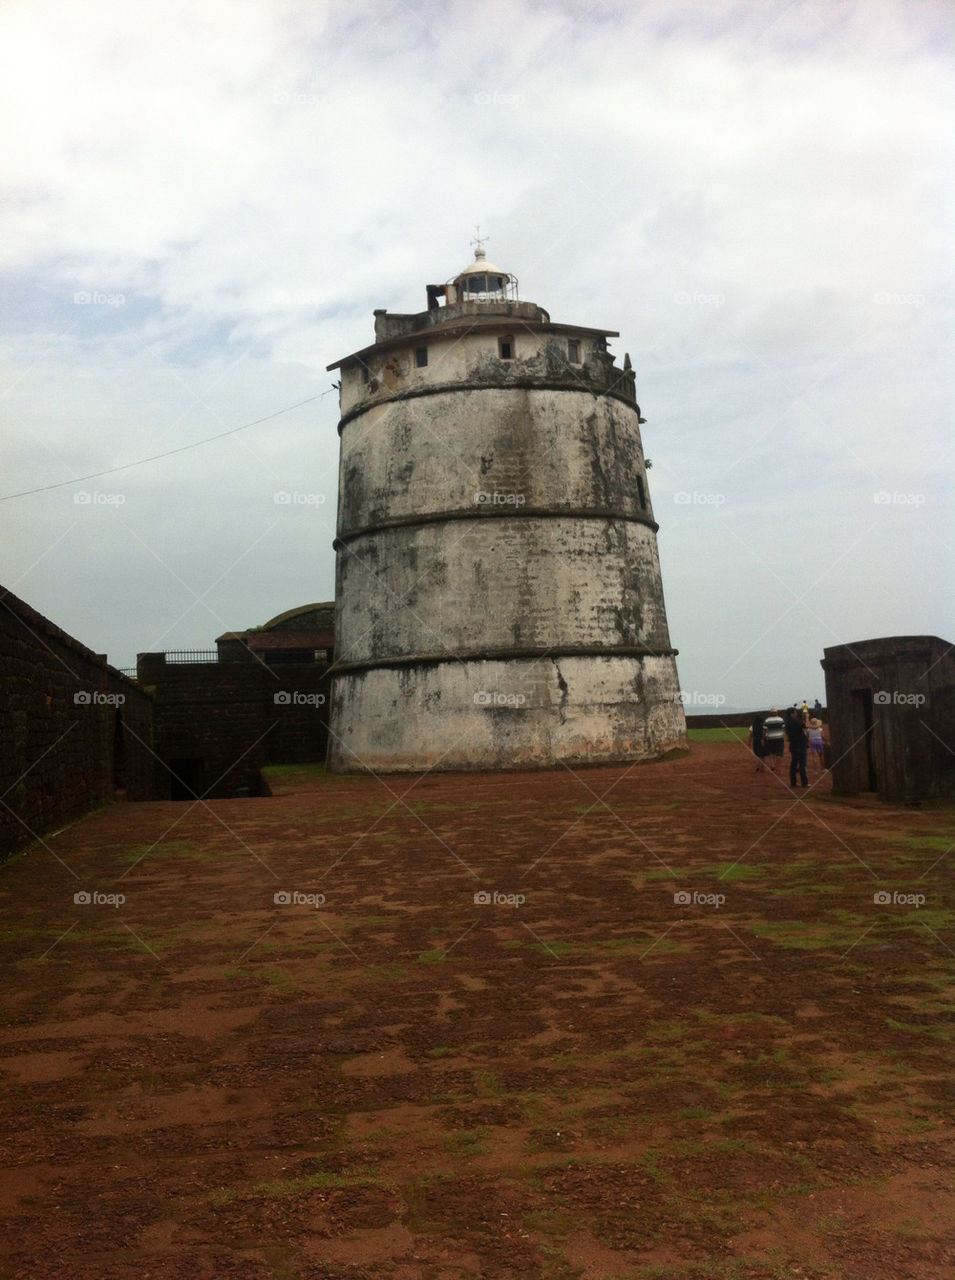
point(74, 732)
point(219, 723)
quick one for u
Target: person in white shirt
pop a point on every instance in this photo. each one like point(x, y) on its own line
point(774, 737)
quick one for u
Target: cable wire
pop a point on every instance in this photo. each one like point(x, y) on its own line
point(94, 475)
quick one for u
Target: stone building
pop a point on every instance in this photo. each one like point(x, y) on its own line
point(499, 601)
point(891, 709)
point(259, 698)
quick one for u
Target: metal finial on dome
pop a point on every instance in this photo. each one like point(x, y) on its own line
point(480, 280)
point(478, 242)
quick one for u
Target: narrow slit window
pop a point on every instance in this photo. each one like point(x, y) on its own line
point(421, 357)
point(506, 348)
point(642, 492)
point(573, 351)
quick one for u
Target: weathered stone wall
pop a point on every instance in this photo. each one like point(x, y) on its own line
point(506, 714)
point(537, 450)
point(459, 357)
point(74, 732)
point(233, 718)
point(891, 709)
point(485, 586)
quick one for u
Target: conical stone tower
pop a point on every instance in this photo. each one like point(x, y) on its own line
point(499, 602)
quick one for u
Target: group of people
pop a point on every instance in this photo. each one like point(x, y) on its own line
point(805, 732)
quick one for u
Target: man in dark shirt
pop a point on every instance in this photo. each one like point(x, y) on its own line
point(798, 746)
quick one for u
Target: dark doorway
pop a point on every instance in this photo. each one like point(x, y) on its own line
point(186, 779)
point(863, 727)
point(119, 754)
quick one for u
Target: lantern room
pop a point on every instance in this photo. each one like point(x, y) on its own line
point(480, 281)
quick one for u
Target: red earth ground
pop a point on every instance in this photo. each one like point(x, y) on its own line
point(699, 1047)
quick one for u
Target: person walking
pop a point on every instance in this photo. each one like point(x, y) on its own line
point(798, 736)
point(774, 736)
point(756, 742)
point(817, 745)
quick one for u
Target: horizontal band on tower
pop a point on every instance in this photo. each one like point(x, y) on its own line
point(495, 384)
point(502, 655)
point(485, 511)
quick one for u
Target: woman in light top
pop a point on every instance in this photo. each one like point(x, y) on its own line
point(817, 744)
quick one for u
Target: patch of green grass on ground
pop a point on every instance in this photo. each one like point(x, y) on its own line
point(433, 806)
point(465, 1143)
point(726, 733)
point(737, 871)
point(555, 948)
point(367, 1176)
point(938, 919)
point(809, 935)
point(419, 1215)
point(939, 844)
point(707, 1016)
point(487, 1085)
point(943, 1031)
point(272, 977)
point(655, 947)
point(199, 851)
point(28, 931)
point(385, 973)
point(640, 946)
point(292, 772)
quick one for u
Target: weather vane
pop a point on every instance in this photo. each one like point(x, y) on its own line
point(478, 242)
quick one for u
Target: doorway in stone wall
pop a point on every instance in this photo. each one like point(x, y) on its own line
point(119, 756)
point(863, 727)
point(185, 782)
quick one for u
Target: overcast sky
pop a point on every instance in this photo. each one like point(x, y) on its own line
point(205, 202)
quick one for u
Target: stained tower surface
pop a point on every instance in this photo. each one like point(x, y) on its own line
point(499, 601)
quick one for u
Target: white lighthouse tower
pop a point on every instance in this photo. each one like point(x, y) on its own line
point(499, 602)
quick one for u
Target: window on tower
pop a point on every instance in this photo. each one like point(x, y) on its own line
point(505, 348)
point(573, 351)
point(642, 492)
point(477, 285)
point(421, 357)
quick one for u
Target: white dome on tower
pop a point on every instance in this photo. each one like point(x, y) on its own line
point(482, 281)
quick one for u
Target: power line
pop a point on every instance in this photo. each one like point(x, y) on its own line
point(61, 484)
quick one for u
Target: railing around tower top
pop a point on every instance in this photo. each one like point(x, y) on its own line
point(191, 655)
